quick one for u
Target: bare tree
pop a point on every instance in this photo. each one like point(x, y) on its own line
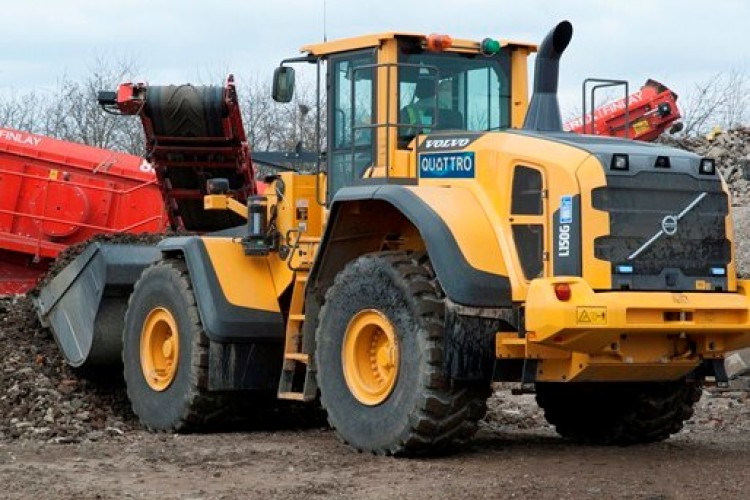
point(273, 126)
point(721, 100)
point(78, 117)
point(21, 111)
point(71, 112)
point(737, 106)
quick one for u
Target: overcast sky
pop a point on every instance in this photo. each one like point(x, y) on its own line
point(175, 41)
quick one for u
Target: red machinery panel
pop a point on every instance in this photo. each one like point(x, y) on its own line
point(54, 194)
point(648, 113)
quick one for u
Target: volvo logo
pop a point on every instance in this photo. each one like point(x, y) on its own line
point(669, 225)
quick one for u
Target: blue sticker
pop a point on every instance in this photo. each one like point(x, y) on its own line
point(458, 165)
point(566, 209)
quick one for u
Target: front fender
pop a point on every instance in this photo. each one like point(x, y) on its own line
point(459, 239)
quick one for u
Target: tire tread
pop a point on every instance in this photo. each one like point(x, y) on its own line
point(447, 411)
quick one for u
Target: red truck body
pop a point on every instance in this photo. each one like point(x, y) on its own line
point(55, 193)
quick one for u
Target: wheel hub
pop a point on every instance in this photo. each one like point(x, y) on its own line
point(370, 357)
point(160, 347)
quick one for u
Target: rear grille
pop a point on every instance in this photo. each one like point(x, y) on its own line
point(693, 257)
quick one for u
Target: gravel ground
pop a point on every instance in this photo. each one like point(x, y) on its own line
point(514, 455)
point(41, 397)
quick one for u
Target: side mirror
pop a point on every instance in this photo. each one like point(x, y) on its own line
point(283, 84)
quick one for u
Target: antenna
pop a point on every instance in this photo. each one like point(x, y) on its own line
point(325, 34)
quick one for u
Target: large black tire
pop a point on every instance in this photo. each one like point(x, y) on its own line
point(424, 412)
point(618, 413)
point(185, 404)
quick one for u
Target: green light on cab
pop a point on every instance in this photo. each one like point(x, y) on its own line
point(490, 47)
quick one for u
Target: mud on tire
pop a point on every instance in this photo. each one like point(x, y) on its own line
point(618, 413)
point(424, 412)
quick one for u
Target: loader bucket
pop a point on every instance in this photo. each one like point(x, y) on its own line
point(84, 305)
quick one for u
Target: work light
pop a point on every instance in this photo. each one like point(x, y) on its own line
point(708, 166)
point(619, 162)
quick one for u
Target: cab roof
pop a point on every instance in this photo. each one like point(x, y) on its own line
point(377, 39)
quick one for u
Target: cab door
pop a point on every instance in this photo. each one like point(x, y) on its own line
point(351, 91)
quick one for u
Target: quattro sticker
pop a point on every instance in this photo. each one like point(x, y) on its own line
point(456, 165)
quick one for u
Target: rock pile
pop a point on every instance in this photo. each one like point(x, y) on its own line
point(41, 397)
point(731, 150)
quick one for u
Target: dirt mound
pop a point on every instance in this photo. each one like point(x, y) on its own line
point(731, 150)
point(41, 397)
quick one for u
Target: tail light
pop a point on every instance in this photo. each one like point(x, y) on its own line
point(562, 292)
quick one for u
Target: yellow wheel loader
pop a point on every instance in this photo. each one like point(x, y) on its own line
point(451, 236)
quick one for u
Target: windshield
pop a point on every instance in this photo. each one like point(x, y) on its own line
point(443, 91)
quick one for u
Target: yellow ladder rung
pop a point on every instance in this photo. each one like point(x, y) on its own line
point(296, 317)
point(297, 356)
point(295, 396)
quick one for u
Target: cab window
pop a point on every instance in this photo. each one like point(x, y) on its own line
point(350, 139)
point(452, 91)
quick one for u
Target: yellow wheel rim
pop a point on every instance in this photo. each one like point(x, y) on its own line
point(160, 349)
point(370, 357)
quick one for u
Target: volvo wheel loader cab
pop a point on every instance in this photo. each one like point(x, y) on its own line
point(453, 238)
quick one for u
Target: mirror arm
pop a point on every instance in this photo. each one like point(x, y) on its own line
point(308, 59)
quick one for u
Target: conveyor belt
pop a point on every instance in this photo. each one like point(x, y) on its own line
point(193, 134)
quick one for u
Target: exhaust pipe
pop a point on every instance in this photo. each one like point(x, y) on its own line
point(544, 110)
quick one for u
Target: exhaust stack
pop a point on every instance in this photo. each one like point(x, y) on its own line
point(544, 110)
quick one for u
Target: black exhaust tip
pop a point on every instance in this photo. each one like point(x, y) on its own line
point(561, 36)
point(544, 110)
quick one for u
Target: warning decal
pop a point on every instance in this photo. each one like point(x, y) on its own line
point(591, 315)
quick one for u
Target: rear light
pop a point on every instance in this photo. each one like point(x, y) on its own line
point(562, 291)
point(438, 43)
point(708, 166)
point(619, 162)
point(662, 162)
